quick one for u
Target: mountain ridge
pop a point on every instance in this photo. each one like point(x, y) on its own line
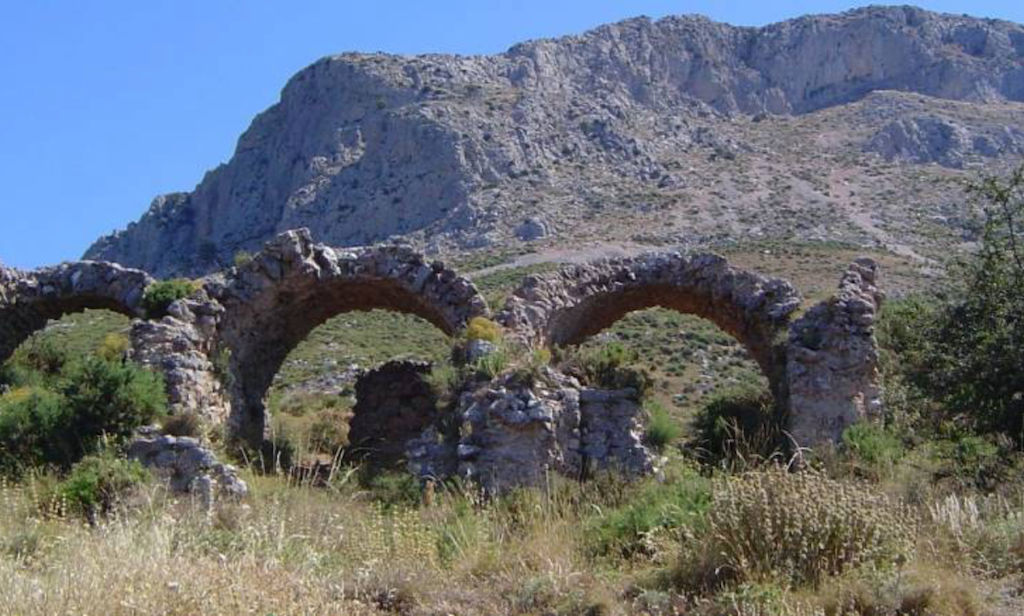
point(461, 152)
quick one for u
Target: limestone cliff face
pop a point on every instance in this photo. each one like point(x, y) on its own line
point(440, 148)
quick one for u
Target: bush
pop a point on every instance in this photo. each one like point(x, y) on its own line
point(873, 444)
point(612, 367)
point(108, 398)
point(34, 431)
point(796, 528)
point(159, 296)
point(480, 328)
point(738, 426)
point(241, 258)
point(183, 424)
point(975, 462)
point(972, 350)
point(92, 399)
point(114, 347)
point(661, 428)
point(391, 488)
point(42, 355)
point(491, 365)
point(96, 484)
point(625, 530)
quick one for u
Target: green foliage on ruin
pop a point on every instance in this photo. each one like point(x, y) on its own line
point(159, 296)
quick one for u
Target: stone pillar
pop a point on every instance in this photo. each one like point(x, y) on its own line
point(394, 404)
point(832, 360)
point(179, 346)
point(514, 433)
point(612, 431)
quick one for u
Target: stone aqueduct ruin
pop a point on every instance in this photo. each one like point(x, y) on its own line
point(821, 367)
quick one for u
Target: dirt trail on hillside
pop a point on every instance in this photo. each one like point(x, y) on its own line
point(582, 254)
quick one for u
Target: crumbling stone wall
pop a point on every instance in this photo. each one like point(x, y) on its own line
point(832, 369)
point(186, 465)
point(394, 404)
point(513, 434)
point(825, 372)
point(612, 426)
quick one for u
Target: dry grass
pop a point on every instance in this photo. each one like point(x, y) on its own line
point(770, 542)
point(290, 550)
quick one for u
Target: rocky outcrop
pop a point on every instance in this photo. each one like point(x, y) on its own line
point(459, 150)
point(513, 433)
point(832, 370)
point(532, 229)
point(933, 139)
point(187, 466)
point(28, 300)
point(576, 302)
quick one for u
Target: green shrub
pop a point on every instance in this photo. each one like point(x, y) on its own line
point(529, 368)
point(391, 488)
point(972, 349)
point(114, 347)
point(94, 398)
point(241, 258)
point(491, 365)
point(975, 462)
point(42, 355)
point(873, 444)
point(612, 366)
point(654, 507)
point(109, 398)
point(800, 528)
point(738, 426)
point(159, 296)
point(662, 429)
point(96, 484)
point(34, 431)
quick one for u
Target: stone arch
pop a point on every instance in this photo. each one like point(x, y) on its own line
point(272, 303)
point(28, 300)
point(570, 305)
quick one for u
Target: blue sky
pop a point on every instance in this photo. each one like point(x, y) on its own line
point(106, 104)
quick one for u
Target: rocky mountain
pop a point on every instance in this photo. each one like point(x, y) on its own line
point(677, 131)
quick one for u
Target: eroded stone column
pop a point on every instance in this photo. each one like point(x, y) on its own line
point(182, 347)
point(832, 360)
